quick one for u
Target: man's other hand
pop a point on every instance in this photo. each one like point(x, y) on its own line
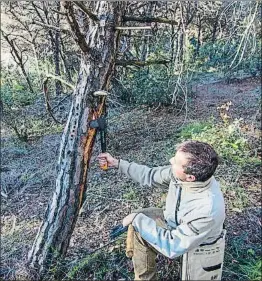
point(128, 219)
point(104, 158)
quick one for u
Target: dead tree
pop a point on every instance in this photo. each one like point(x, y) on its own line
point(18, 57)
point(93, 27)
point(43, 14)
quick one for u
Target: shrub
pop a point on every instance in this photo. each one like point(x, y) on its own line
point(227, 139)
point(146, 86)
point(218, 55)
point(15, 90)
point(151, 86)
point(195, 128)
point(253, 269)
point(16, 95)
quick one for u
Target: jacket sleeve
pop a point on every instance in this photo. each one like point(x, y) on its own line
point(147, 177)
point(173, 243)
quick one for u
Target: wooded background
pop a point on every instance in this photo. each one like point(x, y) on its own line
point(147, 54)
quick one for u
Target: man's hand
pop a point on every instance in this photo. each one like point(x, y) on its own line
point(128, 219)
point(104, 158)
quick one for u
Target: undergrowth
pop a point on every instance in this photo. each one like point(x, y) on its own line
point(252, 269)
point(242, 259)
point(101, 265)
point(227, 139)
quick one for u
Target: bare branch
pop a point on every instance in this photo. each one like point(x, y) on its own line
point(132, 27)
point(26, 59)
point(58, 12)
point(149, 19)
point(37, 11)
point(50, 26)
point(61, 101)
point(22, 38)
point(140, 63)
point(47, 102)
point(49, 75)
point(244, 39)
point(79, 37)
point(86, 11)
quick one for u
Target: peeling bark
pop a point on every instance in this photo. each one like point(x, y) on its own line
point(97, 65)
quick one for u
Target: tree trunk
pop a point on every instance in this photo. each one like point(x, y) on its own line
point(26, 77)
point(215, 26)
point(146, 33)
point(99, 45)
point(58, 84)
point(198, 36)
point(55, 43)
point(66, 67)
point(54, 40)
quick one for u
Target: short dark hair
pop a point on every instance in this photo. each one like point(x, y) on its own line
point(202, 160)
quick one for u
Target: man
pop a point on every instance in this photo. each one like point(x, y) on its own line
point(191, 225)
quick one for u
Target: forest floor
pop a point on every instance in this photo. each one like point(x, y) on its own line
point(146, 136)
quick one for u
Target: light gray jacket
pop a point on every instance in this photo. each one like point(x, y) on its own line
point(194, 212)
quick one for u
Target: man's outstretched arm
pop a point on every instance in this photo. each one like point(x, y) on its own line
point(147, 177)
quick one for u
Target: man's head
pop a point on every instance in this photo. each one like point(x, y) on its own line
point(194, 161)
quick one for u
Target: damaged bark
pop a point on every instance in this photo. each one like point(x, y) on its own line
point(98, 41)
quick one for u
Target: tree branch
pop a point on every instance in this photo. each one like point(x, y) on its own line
point(132, 27)
point(50, 26)
point(23, 38)
point(140, 63)
point(49, 75)
point(61, 102)
point(79, 37)
point(36, 9)
point(58, 12)
point(47, 102)
point(86, 11)
point(149, 19)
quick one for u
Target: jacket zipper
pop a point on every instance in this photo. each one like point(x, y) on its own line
point(187, 267)
point(178, 203)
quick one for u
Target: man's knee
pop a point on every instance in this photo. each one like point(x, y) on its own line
point(144, 259)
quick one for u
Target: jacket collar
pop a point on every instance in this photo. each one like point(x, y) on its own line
point(194, 187)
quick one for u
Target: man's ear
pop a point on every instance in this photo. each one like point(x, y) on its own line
point(190, 178)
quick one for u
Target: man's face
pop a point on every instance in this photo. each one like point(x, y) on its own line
point(177, 162)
